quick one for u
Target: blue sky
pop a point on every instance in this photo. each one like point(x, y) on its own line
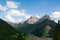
point(18, 10)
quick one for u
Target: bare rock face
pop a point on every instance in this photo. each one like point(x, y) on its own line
point(21, 22)
point(32, 20)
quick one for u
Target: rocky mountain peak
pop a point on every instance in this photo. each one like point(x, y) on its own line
point(32, 20)
point(45, 17)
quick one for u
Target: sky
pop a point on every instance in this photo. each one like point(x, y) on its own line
point(20, 10)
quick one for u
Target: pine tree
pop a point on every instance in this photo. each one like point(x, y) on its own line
point(57, 32)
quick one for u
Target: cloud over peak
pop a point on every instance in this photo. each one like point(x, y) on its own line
point(10, 18)
point(55, 16)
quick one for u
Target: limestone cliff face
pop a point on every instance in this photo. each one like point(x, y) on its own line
point(32, 20)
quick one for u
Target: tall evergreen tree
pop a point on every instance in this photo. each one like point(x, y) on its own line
point(57, 32)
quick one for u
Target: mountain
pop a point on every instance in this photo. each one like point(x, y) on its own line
point(43, 18)
point(7, 32)
point(37, 28)
point(31, 20)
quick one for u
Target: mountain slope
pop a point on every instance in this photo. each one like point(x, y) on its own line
point(38, 27)
point(7, 32)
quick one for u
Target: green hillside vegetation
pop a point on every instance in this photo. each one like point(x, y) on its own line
point(46, 31)
point(7, 32)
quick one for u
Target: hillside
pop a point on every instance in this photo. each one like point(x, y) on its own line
point(38, 27)
point(7, 32)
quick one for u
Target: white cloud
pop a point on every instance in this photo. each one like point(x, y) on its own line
point(18, 13)
point(12, 4)
point(3, 8)
point(27, 16)
point(13, 11)
point(8, 17)
point(19, 20)
point(55, 16)
point(11, 19)
point(37, 16)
